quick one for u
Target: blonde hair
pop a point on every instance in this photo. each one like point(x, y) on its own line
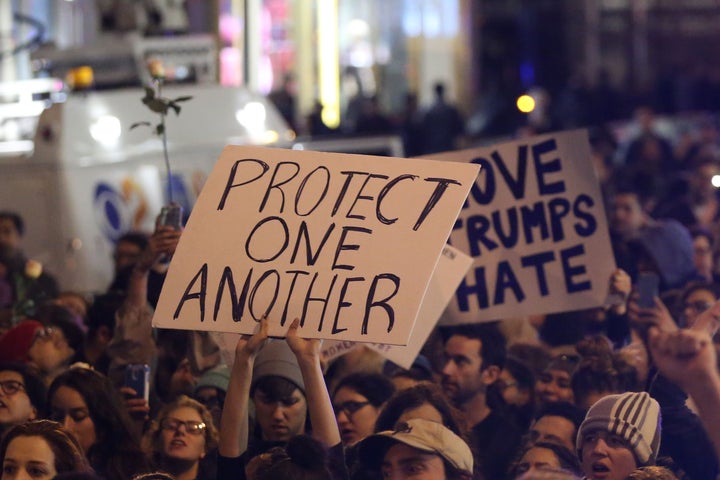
point(152, 442)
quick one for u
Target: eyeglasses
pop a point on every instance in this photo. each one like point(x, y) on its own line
point(11, 387)
point(191, 427)
point(349, 408)
point(44, 333)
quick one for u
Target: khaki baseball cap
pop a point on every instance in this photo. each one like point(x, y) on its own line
point(425, 435)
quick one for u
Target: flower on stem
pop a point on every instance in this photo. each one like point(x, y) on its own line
point(33, 269)
point(25, 304)
point(154, 100)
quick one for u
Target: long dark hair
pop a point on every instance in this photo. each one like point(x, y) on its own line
point(116, 453)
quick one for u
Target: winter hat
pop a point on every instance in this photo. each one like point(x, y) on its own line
point(16, 342)
point(634, 416)
point(276, 359)
point(425, 435)
point(218, 377)
point(670, 246)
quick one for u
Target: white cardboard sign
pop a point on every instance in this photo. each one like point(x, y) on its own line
point(535, 224)
point(346, 243)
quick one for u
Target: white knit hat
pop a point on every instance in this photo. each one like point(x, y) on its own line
point(634, 416)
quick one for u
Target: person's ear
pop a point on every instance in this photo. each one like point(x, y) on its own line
point(490, 374)
point(34, 414)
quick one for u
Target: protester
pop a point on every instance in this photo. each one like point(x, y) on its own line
point(210, 390)
point(357, 401)
point(426, 401)
point(418, 449)
point(554, 384)
point(58, 345)
point(89, 407)
point(22, 395)
point(545, 456)
point(287, 388)
point(40, 450)
point(557, 422)
point(475, 356)
point(687, 357)
point(181, 438)
point(12, 229)
point(619, 434)
point(600, 372)
point(516, 385)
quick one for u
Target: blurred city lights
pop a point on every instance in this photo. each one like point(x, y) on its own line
point(526, 103)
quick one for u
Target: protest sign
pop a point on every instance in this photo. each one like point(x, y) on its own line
point(535, 224)
point(346, 243)
point(450, 269)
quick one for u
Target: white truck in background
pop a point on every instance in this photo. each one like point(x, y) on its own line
point(83, 178)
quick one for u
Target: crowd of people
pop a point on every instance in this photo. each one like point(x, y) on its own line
point(626, 391)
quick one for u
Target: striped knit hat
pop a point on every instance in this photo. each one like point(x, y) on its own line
point(633, 416)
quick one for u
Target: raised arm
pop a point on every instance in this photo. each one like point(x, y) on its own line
point(163, 241)
point(688, 358)
point(234, 428)
point(307, 352)
point(709, 320)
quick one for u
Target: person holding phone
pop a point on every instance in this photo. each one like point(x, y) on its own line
point(132, 339)
point(89, 407)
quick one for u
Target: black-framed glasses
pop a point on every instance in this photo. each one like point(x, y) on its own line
point(11, 387)
point(349, 408)
point(191, 427)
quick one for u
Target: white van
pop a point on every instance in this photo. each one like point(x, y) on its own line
point(84, 178)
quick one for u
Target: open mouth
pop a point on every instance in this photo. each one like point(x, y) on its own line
point(599, 471)
point(177, 443)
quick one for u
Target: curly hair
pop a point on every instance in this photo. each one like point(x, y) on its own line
point(152, 442)
point(601, 371)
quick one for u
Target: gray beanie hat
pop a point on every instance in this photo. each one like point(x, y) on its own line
point(217, 377)
point(634, 416)
point(276, 359)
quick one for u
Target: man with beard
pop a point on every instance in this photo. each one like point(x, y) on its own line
point(474, 357)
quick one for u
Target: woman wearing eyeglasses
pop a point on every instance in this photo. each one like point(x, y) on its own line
point(22, 395)
point(88, 406)
point(357, 401)
point(181, 438)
